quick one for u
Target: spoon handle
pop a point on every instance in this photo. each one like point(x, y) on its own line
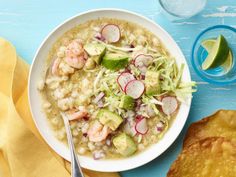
point(75, 166)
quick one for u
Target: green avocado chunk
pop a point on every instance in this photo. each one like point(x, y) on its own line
point(97, 59)
point(124, 144)
point(115, 61)
point(112, 120)
point(152, 82)
point(127, 102)
point(96, 51)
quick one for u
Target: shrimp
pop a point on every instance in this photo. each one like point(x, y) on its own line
point(74, 49)
point(75, 115)
point(55, 66)
point(76, 62)
point(75, 54)
point(98, 132)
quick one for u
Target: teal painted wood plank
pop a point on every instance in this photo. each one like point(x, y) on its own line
point(26, 23)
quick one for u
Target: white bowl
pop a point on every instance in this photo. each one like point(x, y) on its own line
point(42, 123)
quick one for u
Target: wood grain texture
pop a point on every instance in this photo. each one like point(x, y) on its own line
point(27, 22)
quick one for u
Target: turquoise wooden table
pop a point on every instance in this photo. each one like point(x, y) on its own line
point(26, 23)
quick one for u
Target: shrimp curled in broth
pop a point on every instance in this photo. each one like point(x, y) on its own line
point(76, 115)
point(75, 48)
point(98, 132)
point(75, 54)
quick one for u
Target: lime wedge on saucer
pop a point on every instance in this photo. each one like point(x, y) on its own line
point(217, 55)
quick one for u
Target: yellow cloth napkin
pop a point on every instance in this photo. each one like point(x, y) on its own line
point(23, 152)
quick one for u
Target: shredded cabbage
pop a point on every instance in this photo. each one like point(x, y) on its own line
point(106, 82)
point(97, 79)
point(170, 81)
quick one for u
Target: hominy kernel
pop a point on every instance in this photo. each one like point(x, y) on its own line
point(81, 150)
point(41, 85)
point(91, 146)
point(46, 105)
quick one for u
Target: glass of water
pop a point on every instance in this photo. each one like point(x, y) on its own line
point(181, 9)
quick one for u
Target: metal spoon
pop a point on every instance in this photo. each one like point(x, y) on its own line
point(75, 166)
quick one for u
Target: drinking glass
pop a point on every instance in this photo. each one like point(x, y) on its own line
point(181, 9)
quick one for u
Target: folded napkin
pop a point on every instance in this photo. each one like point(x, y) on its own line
point(23, 152)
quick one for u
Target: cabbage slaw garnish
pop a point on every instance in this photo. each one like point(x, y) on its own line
point(170, 84)
point(170, 79)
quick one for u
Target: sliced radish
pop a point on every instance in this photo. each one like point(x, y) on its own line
point(169, 105)
point(143, 60)
point(141, 126)
point(138, 118)
point(136, 53)
point(124, 78)
point(99, 37)
point(111, 33)
point(143, 70)
point(134, 88)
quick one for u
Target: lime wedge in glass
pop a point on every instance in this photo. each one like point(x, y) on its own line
point(208, 44)
point(227, 65)
point(217, 55)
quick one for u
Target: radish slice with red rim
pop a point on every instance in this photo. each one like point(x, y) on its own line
point(141, 126)
point(99, 37)
point(134, 88)
point(111, 33)
point(143, 70)
point(124, 78)
point(143, 60)
point(170, 105)
point(139, 117)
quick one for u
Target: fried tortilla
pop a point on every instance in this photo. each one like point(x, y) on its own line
point(220, 124)
point(210, 157)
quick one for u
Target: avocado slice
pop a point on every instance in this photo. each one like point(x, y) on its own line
point(112, 120)
point(96, 51)
point(115, 61)
point(124, 144)
point(127, 102)
point(152, 82)
point(97, 59)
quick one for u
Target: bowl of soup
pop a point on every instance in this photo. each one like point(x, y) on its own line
point(122, 82)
